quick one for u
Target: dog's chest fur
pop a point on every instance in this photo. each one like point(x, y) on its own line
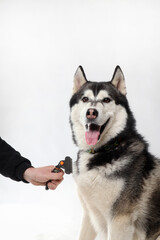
point(97, 189)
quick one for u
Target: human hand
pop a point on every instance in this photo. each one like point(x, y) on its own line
point(39, 176)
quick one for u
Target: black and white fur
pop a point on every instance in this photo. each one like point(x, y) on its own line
point(119, 187)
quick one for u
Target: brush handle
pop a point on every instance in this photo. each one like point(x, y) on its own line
point(65, 164)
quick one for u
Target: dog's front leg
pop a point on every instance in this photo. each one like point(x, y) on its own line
point(121, 228)
point(87, 231)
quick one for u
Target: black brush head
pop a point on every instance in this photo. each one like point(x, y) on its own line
point(68, 165)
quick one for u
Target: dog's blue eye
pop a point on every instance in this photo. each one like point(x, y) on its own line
point(106, 100)
point(85, 99)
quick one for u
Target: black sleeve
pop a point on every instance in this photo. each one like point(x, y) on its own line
point(12, 164)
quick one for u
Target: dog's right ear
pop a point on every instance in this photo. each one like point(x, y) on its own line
point(79, 79)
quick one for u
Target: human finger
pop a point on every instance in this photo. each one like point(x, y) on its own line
point(56, 176)
point(57, 182)
point(52, 185)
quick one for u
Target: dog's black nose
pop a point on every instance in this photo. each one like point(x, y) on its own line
point(92, 113)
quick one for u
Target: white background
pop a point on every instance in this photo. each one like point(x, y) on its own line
point(41, 44)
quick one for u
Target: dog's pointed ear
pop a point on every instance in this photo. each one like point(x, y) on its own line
point(118, 80)
point(79, 79)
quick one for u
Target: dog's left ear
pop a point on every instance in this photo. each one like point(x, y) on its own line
point(118, 80)
point(79, 79)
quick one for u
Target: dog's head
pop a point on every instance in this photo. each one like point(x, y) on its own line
point(98, 109)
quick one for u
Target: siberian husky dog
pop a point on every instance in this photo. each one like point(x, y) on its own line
point(118, 180)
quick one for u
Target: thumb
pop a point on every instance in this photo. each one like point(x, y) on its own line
point(56, 176)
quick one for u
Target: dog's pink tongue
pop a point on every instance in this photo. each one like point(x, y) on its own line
point(92, 137)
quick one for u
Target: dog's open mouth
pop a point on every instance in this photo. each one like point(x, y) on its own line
point(94, 132)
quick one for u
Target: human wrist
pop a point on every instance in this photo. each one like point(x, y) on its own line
point(27, 174)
